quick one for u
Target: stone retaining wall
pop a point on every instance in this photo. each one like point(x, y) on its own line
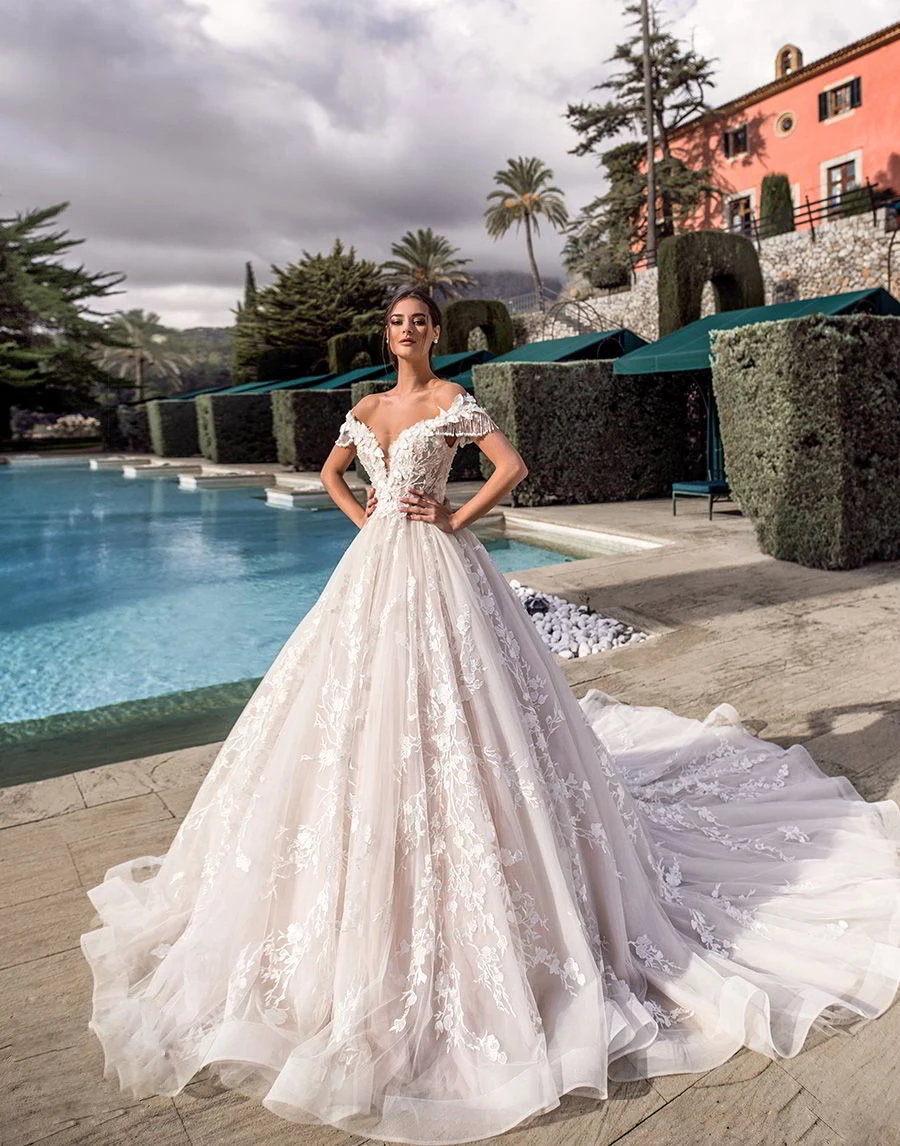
point(845, 255)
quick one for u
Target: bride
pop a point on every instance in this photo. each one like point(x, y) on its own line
point(423, 891)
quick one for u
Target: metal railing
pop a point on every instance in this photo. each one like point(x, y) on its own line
point(862, 199)
point(528, 303)
point(857, 200)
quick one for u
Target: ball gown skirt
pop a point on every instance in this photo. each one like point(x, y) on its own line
point(423, 891)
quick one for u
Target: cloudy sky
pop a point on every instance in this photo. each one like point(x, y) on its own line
point(192, 135)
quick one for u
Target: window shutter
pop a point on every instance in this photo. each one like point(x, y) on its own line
point(856, 92)
point(726, 144)
point(823, 105)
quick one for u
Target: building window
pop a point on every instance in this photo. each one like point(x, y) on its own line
point(840, 99)
point(734, 141)
point(784, 125)
point(840, 179)
point(740, 215)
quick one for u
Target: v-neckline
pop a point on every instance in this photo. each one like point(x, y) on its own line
point(386, 453)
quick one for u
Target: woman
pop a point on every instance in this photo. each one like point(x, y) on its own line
point(423, 891)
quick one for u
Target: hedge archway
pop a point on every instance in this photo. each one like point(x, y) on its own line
point(462, 315)
point(686, 262)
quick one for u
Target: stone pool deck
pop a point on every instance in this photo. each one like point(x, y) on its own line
point(803, 656)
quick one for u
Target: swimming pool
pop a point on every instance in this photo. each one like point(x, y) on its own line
point(117, 591)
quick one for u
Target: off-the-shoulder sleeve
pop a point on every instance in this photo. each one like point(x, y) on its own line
point(345, 434)
point(466, 420)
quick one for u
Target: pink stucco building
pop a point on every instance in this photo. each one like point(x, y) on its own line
point(829, 125)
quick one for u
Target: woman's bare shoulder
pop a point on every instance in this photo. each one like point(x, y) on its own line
point(446, 391)
point(365, 406)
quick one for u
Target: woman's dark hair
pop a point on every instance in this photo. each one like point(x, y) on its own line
point(430, 305)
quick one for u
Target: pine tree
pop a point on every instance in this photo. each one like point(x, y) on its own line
point(313, 299)
point(248, 341)
point(48, 331)
point(680, 78)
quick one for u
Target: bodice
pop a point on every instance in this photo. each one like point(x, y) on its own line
point(420, 455)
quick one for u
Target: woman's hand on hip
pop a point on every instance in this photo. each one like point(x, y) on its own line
point(371, 503)
point(420, 506)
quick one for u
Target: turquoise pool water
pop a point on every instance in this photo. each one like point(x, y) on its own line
point(116, 590)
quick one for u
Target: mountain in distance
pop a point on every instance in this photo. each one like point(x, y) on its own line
point(503, 285)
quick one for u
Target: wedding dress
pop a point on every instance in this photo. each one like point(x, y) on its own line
point(423, 891)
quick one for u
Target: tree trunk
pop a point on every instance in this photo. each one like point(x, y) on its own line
point(139, 375)
point(535, 274)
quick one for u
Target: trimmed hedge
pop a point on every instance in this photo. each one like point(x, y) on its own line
point(776, 206)
point(810, 417)
point(585, 433)
point(461, 316)
point(305, 424)
point(173, 428)
point(466, 464)
point(344, 350)
point(687, 262)
point(235, 428)
point(134, 427)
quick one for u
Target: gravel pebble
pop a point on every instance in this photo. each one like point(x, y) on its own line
point(573, 630)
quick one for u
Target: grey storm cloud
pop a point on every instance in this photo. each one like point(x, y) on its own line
point(192, 135)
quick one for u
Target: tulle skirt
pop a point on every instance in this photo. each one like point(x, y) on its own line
point(423, 891)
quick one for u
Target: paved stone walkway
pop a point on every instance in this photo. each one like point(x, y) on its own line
point(802, 655)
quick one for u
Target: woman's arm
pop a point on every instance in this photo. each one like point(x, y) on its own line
point(509, 470)
point(332, 478)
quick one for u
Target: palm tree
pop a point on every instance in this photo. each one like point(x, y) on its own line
point(426, 259)
point(138, 343)
point(525, 196)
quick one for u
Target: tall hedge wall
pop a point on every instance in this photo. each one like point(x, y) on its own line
point(687, 262)
point(235, 428)
point(462, 315)
point(585, 433)
point(305, 423)
point(134, 427)
point(173, 428)
point(466, 465)
point(810, 417)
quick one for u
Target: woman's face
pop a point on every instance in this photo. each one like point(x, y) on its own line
point(410, 330)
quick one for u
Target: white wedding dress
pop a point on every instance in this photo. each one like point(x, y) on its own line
point(423, 891)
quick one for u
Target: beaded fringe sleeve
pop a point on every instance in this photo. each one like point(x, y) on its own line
point(464, 420)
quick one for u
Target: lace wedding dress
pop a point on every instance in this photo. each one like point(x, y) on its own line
point(423, 891)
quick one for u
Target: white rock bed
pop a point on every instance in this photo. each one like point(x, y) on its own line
point(573, 630)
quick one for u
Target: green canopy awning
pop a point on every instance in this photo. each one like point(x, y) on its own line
point(579, 347)
point(345, 381)
point(287, 384)
point(193, 393)
point(688, 348)
point(444, 365)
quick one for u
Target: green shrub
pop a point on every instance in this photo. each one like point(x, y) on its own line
point(585, 433)
point(173, 428)
point(687, 262)
point(462, 315)
point(776, 207)
point(134, 427)
point(466, 464)
point(235, 428)
point(305, 424)
point(810, 417)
